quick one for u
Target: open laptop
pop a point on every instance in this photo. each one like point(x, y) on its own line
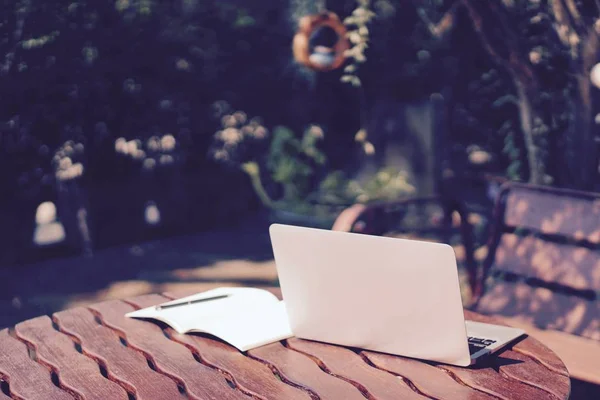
point(384, 294)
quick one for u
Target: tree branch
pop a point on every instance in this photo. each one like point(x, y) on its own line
point(444, 25)
point(518, 63)
point(560, 14)
point(566, 14)
point(574, 13)
point(477, 21)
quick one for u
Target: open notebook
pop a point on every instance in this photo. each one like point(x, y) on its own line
point(243, 317)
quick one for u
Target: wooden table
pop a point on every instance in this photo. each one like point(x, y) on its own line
point(98, 353)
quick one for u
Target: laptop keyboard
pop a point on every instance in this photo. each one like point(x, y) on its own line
point(476, 344)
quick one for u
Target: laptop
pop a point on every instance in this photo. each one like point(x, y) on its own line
point(384, 294)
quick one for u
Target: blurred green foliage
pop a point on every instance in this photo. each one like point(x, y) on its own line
point(292, 161)
point(290, 172)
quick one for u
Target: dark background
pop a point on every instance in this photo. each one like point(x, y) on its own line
point(78, 75)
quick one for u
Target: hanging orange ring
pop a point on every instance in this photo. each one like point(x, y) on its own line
point(310, 25)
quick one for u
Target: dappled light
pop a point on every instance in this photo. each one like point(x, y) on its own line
point(546, 268)
point(543, 308)
point(553, 215)
point(577, 267)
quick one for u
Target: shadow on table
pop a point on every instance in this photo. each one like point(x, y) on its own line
point(495, 362)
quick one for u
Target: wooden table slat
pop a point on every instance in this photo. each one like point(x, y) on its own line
point(150, 360)
point(75, 371)
point(345, 363)
point(123, 364)
point(428, 379)
point(26, 378)
point(538, 352)
point(301, 370)
point(250, 375)
point(534, 374)
point(489, 381)
point(169, 357)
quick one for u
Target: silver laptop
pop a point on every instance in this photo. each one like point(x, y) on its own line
point(389, 295)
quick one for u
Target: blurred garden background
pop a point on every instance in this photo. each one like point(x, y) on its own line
point(147, 142)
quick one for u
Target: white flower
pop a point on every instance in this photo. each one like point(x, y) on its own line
point(261, 132)
point(166, 159)
point(131, 147)
point(138, 154)
point(240, 117)
point(152, 214)
point(167, 142)
point(65, 163)
point(316, 131)
point(149, 164)
point(535, 57)
point(221, 155)
point(153, 143)
point(479, 157)
point(72, 172)
point(230, 136)
point(361, 135)
point(228, 121)
point(121, 145)
point(248, 130)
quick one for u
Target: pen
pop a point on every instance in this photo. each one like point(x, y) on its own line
point(183, 303)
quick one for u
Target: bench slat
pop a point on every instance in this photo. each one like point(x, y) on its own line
point(573, 266)
point(543, 308)
point(553, 213)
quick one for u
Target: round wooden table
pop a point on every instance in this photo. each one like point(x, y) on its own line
point(98, 353)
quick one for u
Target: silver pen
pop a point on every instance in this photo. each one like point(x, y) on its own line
point(183, 303)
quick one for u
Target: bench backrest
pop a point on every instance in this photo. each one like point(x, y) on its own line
point(543, 264)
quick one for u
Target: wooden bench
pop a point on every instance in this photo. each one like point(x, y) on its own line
point(542, 272)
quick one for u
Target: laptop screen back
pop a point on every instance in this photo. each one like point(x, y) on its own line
point(390, 295)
